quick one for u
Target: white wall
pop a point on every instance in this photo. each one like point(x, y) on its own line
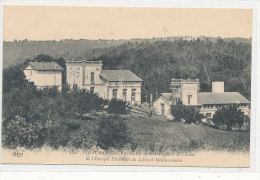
point(74, 74)
point(128, 88)
point(218, 87)
point(167, 107)
point(80, 74)
point(43, 79)
point(189, 89)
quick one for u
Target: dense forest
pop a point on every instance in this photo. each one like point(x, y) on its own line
point(155, 60)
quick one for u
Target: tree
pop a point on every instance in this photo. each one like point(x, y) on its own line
point(117, 106)
point(188, 113)
point(192, 115)
point(85, 101)
point(14, 77)
point(43, 58)
point(228, 117)
point(112, 132)
point(178, 111)
point(20, 133)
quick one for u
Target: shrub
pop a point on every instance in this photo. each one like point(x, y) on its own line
point(192, 115)
point(85, 101)
point(20, 133)
point(112, 132)
point(117, 107)
point(57, 136)
point(188, 113)
point(178, 111)
point(81, 139)
point(228, 117)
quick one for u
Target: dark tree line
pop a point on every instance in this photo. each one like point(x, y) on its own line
point(157, 62)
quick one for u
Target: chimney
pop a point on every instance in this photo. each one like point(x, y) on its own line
point(218, 87)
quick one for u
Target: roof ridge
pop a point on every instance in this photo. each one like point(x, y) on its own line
point(115, 70)
point(220, 92)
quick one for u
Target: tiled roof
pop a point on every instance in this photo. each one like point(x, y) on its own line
point(43, 66)
point(221, 98)
point(215, 98)
point(119, 75)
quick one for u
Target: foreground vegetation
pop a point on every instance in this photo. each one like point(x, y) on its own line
point(129, 132)
point(162, 136)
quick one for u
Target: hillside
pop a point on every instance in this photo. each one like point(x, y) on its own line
point(155, 60)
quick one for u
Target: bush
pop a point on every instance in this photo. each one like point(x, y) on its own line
point(81, 139)
point(20, 133)
point(228, 117)
point(192, 115)
point(57, 136)
point(112, 132)
point(117, 107)
point(188, 113)
point(178, 111)
point(85, 101)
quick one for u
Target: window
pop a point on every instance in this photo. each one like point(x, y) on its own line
point(133, 94)
point(83, 75)
point(124, 94)
point(92, 89)
point(175, 87)
point(163, 109)
point(189, 98)
point(114, 93)
point(92, 77)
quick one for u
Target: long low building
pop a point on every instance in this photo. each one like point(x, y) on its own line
point(187, 91)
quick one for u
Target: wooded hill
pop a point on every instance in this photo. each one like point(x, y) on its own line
point(155, 60)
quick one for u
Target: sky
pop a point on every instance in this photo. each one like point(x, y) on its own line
point(75, 22)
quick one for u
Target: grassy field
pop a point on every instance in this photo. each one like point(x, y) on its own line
point(163, 136)
point(159, 136)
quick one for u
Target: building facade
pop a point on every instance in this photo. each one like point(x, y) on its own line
point(108, 84)
point(44, 74)
point(187, 91)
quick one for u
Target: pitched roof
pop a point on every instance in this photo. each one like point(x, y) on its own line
point(43, 66)
point(215, 98)
point(221, 98)
point(119, 75)
point(167, 96)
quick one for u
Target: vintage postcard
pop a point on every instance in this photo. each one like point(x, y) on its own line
point(126, 86)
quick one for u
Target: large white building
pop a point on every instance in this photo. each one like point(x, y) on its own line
point(44, 74)
point(187, 91)
point(108, 84)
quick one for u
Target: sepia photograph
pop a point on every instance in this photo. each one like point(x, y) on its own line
point(141, 86)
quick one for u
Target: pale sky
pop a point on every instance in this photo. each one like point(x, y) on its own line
point(67, 22)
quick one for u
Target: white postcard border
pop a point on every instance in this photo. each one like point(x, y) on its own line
point(254, 145)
